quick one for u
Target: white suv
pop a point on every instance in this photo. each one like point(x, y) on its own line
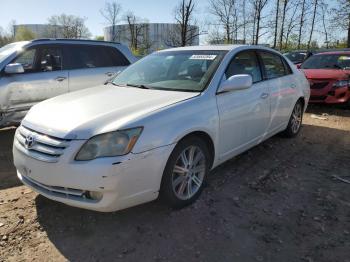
point(159, 127)
point(33, 71)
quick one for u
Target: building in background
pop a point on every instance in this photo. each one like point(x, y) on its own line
point(41, 30)
point(148, 36)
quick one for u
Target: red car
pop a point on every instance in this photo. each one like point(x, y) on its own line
point(329, 77)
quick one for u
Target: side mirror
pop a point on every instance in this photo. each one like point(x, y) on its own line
point(236, 82)
point(299, 65)
point(15, 68)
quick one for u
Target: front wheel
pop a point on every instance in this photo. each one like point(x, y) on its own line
point(295, 120)
point(185, 173)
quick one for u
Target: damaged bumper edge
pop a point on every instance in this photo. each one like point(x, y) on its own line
point(12, 116)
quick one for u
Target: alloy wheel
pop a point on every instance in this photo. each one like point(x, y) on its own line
point(188, 172)
point(296, 118)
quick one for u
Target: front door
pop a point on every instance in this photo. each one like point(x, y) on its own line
point(44, 77)
point(244, 114)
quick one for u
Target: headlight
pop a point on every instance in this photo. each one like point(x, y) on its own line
point(111, 144)
point(341, 83)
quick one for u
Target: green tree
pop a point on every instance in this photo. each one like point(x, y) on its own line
point(100, 38)
point(24, 34)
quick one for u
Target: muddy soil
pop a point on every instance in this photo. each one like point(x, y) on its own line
point(280, 201)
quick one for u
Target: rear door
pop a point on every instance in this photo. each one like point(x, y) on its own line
point(44, 76)
point(92, 65)
point(280, 80)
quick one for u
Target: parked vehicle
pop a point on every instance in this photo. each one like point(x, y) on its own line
point(298, 57)
point(328, 74)
point(33, 71)
point(159, 127)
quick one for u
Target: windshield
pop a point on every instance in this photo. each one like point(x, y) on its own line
point(173, 70)
point(331, 61)
point(295, 57)
point(7, 50)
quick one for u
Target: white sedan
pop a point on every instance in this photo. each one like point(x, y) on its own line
point(159, 127)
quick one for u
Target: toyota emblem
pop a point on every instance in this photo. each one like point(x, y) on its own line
point(30, 141)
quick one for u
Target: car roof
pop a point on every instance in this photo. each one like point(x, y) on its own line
point(72, 40)
point(216, 48)
point(334, 53)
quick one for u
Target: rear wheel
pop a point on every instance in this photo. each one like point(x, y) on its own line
point(185, 173)
point(295, 120)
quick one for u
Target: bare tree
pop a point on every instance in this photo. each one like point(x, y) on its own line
point(226, 13)
point(111, 12)
point(244, 5)
point(283, 19)
point(138, 32)
point(315, 4)
point(71, 26)
point(302, 21)
point(258, 7)
point(291, 21)
point(276, 23)
point(186, 30)
point(324, 14)
point(341, 17)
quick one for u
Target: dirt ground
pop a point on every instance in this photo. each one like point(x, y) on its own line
point(280, 201)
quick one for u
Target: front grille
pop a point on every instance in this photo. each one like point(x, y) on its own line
point(39, 146)
point(62, 192)
point(318, 85)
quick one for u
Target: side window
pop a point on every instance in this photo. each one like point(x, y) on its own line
point(245, 62)
point(27, 60)
point(94, 56)
point(287, 68)
point(50, 59)
point(273, 65)
point(118, 59)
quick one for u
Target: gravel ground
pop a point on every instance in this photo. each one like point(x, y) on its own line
point(280, 201)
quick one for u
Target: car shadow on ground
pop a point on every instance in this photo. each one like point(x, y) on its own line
point(8, 176)
point(259, 206)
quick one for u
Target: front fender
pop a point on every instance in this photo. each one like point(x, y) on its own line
point(171, 124)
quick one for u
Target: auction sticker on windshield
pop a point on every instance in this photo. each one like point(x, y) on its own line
point(203, 57)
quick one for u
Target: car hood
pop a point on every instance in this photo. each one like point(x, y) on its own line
point(92, 111)
point(326, 73)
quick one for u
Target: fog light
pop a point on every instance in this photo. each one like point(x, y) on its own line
point(94, 195)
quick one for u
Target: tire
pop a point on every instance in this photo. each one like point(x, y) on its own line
point(181, 184)
point(295, 121)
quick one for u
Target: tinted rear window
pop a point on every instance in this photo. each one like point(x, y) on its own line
point(86, 56)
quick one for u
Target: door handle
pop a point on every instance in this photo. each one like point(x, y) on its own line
point(293, 86)
point(264, 95)
point(110, 74)
point(60, 78)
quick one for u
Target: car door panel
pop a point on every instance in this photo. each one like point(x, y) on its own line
point(244, 114)
point(89, 77)
point(25, 90)
point(93, 65)
point(282, 87)
point(37, 83)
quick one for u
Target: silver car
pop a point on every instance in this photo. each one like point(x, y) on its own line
point(33, 71)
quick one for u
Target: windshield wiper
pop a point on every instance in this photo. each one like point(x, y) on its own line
point(139, 86)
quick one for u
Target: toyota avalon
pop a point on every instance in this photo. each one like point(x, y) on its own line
point(159, 127)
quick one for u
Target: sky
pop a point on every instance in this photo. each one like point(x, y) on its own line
point(37, 11)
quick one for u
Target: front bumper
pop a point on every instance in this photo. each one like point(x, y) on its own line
point(122, 181)
point(330, 96)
